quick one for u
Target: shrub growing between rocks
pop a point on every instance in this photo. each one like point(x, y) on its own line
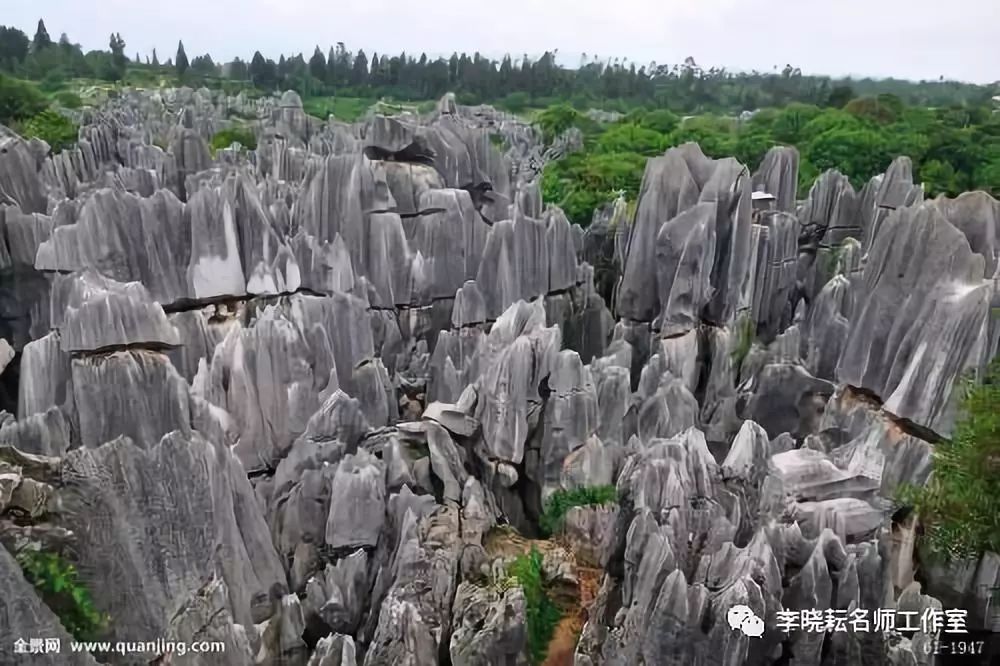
point(542, 615)
point(960, 505)
point(57, 584)
point(52, 127)
point(562, 501)
point(236, 134)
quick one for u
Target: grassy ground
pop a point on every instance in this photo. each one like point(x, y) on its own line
point(342, 108)
point(350, 109)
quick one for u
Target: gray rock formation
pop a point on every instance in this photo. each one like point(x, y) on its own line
point(307, 400)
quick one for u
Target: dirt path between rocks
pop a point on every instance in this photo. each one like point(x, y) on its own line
point(508, 543)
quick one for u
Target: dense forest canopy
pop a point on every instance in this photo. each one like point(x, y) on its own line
point(950, 129)
point(619, 84)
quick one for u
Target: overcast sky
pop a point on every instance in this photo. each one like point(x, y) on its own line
point(914, 39)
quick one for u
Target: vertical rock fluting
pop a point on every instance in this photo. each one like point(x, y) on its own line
point(291, 400)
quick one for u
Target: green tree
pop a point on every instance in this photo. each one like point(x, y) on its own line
point(317, 65)
point(962, 150)
point(790, 121)
point(203, 65)
point(238, 70)
point(119, 60)
point(881, 109)
point(751, 146)
point(14, 46)
point(660, 120)
point(42, 40)
point(19, 100)
point(629, 138)
point(555, 120)
point(181, 63)
point(69, 99)
point(938, 178)
point(840, 96)
point(359, 71)
point(830, 119)
point(515, 102)
point(52, 127)
point(988, 175)
point(262, 72)
point(859, 154)
point(715, 135)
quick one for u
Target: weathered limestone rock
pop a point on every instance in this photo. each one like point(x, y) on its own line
point(924, 300)
point(6, 354)
point(405, 347)
point(559, 241)
point(192, 502)
point(894, 189)
point(281, 634)
point(588, 531)
point(415, 615)
point(593, 464)
point(570, 416)
point(488, 627)
point(775, 275)
point(452, 418)
point(787, 398)
point(519, 352)
point(338, 595)
point(778, 175)
point(261, 376)
point(93, 313)
point(672, 184)
point(685, 257)
point(515, 264)
point(46, 433)
point(19, 182)
point(206, 617)
point(104, 390)
point(25, 232)
point(357, 502)
point(334, 650)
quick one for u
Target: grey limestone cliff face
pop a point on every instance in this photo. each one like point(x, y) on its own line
point(672, 184)
point(304, 400)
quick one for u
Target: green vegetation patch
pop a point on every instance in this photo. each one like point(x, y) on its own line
point(562, 501)
point(542, 615)
point(953, 149)
point(68, 99)
point(556, 119)
point(347, 109)
point(57, 583)
point(959, 506)
point(236, 134)
point(19, 100)
point(52, 127)
point(744, 341)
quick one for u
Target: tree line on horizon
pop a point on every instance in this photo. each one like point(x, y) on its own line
point(514, 83)
point(950, 130)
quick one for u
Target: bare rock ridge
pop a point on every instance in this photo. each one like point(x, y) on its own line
point(285, 398)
